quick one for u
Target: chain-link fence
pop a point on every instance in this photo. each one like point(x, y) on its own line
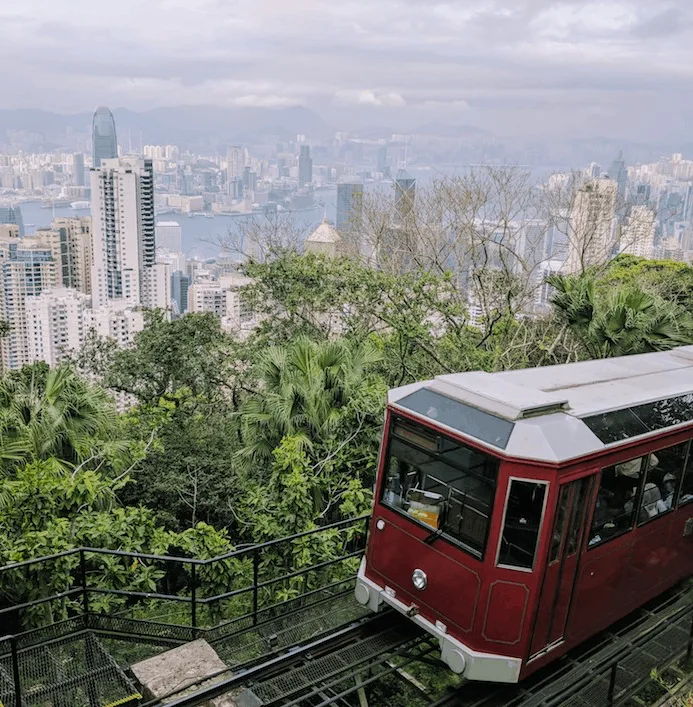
point(75, 671)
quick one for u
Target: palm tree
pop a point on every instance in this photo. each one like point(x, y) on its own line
point(626, 320)
point(52, 413)
point(305, 388)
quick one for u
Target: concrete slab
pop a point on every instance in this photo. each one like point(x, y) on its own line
point(180, 668)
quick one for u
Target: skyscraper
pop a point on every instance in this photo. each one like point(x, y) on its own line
point(405, 195)
point(12, 215)
point(27, 269)
point(180, 283)
point(305, 166)
point(103, 136)
point(382, 165)
point(168, 236)
point(78, 169)
point(619, 174)
point(55, 324)
point(638, 232)
point(235, 162)
point(70, 242)
point(591, 238)
point(124, 245)
point(349, 205)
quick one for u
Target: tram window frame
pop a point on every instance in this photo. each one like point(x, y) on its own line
point(686, 476)
point(416, 432)
point(635, 499)
point(539, 527)
point(559, 523)
point(575, 536)
point(644, 517)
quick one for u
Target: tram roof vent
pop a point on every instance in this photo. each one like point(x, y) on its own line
point(487, 392)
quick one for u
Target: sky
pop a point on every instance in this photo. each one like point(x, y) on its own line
point(621, 68)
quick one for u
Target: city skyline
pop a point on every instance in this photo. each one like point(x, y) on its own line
point(52, 299)
point(526, 67)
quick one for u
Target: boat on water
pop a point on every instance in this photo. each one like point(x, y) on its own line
point(77, 205)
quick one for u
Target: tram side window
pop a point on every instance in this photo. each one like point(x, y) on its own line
point(664, 471)
point(614, 513)
point(686, 495)
point(522, 524)
point(448, 486)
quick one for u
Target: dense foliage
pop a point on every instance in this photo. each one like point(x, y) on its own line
point(228, 442)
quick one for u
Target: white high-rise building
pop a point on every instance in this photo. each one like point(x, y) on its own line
point(544, 292)
point(176, 261)
point(238, 314)
point(123, 232)
point(207, 296)
point(169, 236)
point(56, 324)
point(592, 236)
point(27, 268)
point(117, 320)
point(70, 243)
point(161, 295)
point(638, 233)
point(235, 162)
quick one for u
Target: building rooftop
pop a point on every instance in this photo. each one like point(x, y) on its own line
point(324, 233)
point(556, 413)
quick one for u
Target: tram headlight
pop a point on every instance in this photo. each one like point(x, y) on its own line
point(419, 579)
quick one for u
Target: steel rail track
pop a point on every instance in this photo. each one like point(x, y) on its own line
point(254, 673)
point(308, 674)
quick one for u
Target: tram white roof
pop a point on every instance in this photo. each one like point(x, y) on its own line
point(545, 408)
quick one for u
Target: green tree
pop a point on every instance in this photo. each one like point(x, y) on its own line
point(417, 317)
point(53, 413)
point(621, 321)
point(192, 352)
point(668, 279)
point(46, 509)
point(189, 473)
point(306, 390)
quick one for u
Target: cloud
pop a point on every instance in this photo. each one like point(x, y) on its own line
point(526, 65)
point(666, 23)
point(369, 98)
point(266, 101)
point(457, 105)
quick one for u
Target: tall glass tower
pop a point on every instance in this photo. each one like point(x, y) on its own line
point(104, 140)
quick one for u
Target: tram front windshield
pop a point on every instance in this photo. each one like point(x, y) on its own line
point(440, 483)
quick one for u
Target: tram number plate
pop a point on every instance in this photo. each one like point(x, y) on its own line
point(688, 528)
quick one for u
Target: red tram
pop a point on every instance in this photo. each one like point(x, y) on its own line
point(518, 513)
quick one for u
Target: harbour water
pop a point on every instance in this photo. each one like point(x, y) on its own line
point(201, 237)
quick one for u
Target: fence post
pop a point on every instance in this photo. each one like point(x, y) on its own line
point(15, 672)
point(256, 570)
point(83, 581)
point(689, 649)
point(612, 684)
point(193, 595)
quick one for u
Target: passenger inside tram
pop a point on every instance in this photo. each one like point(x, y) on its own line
point(669, 484)
point(620, 485)
point(613, 512)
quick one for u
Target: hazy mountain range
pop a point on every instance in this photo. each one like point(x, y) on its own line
point(212, 128)
point(178, 125)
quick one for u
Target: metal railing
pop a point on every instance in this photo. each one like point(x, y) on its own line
point(166, 598)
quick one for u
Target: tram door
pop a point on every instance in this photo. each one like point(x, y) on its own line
point(561, 570)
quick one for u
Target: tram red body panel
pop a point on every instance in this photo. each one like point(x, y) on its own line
point(524, 558)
